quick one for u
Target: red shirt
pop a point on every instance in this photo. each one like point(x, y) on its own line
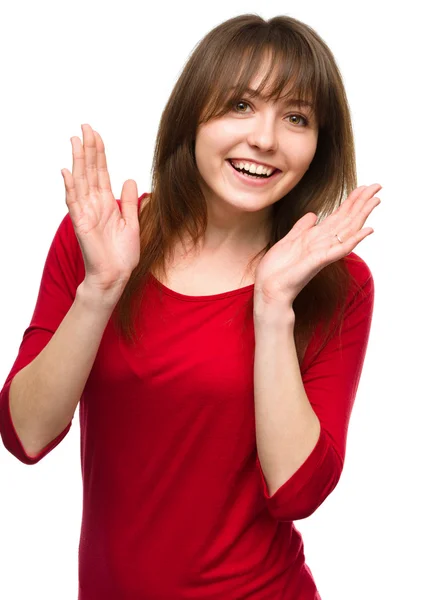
point(175, 504)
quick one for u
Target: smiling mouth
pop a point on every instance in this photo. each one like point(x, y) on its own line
point(261, 176)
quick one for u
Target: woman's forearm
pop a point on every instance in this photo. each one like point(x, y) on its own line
point(43, 396)
point(287, 428)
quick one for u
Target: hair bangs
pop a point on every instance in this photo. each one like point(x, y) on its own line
point(290, 74)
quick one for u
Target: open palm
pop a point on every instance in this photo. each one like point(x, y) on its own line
point(295, 259)
point(109, 236)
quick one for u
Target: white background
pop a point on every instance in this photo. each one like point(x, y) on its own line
point(113, 65)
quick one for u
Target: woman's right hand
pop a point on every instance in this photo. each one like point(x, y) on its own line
point(109, 236)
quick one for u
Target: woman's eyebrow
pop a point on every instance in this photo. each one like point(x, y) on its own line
point(288, 101)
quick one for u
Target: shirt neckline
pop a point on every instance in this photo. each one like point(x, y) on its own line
point(244, 290)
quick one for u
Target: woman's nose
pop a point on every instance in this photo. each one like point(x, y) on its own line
point(263, 134)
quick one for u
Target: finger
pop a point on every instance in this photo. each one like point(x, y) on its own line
point(364, 198)
point(72, 200)
point(358, 221)
point(103, 174)
point(355, 214)
point(78, 172)
point(90, 152)
point(357, 192)
point(333, 222)
point(339, 250)
point(351, 198)
point(129, 201)
point(357, 238)
point(306, 222)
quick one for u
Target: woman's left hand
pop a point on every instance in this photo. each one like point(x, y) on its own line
point(294, 260)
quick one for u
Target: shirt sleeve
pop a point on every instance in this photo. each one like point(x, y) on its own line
point(63, 272)
point(331, 381)
point(57, 292)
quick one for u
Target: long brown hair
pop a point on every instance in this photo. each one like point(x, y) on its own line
point(233, 52)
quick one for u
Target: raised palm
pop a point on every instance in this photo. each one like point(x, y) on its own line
point(109, 236)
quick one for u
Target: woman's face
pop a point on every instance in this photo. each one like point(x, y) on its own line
point(255, 131)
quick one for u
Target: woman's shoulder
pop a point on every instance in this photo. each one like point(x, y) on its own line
point(362, 282)
point(144, 196)
point(358, 268)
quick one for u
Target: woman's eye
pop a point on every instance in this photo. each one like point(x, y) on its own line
point(303, 119)
point(241, 102)
point(299, 117)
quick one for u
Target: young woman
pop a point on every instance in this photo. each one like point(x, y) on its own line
point(213, 331)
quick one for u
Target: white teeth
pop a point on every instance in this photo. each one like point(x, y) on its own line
point(252, 168)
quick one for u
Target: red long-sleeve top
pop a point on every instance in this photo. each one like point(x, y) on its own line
point(175, 504)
